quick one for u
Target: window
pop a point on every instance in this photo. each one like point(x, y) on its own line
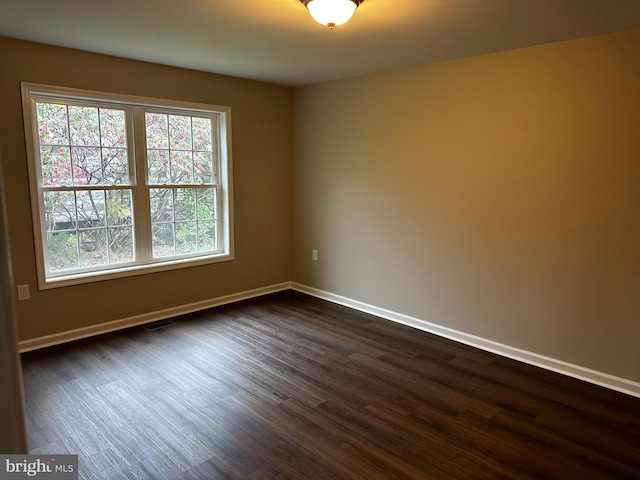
point(124, 185)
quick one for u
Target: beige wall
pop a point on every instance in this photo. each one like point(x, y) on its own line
point(261, 125)
point(497, 195)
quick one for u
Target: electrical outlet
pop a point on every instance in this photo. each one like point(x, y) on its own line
point(314, 255)
point(23, 292)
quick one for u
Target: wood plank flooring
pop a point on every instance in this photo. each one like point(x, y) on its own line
point(287, 386)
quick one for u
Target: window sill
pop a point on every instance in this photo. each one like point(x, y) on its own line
point(130, 271)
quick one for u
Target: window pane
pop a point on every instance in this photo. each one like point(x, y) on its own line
point(206, 200)
point(184, 204)
point(181, 167)
point(73, 141)
point(86, 242)
point(206, 236)
point(119, 208)
point(120, 244)
point(62, 249)
point(161, 205)
point(203, 167)
point(186, 238)
point(180, 132)
point(163, 240)
point(53, 126)
point(158, 166)
point(56, 166)
point(59, 210)
point(206, 215)
point(84, 126)
point(202, 134)
point(183, 220)
point(116, 166)
point(93, 247)
point(157, 128)
point(87, 167)
point(113, 128)
point(179, 149)
point(90, 208)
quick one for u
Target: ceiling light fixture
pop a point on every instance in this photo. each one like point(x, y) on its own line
point(331, 12)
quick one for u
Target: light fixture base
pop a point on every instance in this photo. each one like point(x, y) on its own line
point(357, 2)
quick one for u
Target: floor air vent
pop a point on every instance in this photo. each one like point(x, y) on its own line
point(160, 324)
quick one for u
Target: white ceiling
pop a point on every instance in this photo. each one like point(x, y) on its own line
point(277, 41)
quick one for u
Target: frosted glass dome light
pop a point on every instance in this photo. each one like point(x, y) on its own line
point(331, 12)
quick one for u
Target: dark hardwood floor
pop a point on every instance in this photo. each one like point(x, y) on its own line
point(291, 387)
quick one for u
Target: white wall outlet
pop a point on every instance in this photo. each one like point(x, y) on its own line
point(23, 292)
point(314, 255)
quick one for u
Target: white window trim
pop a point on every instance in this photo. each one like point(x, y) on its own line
point(225, 196)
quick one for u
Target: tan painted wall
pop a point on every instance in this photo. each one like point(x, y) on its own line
point(261, 116)
point(497, 195)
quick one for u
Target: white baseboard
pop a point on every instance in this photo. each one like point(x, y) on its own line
point(576, 371)
point(89, 331)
